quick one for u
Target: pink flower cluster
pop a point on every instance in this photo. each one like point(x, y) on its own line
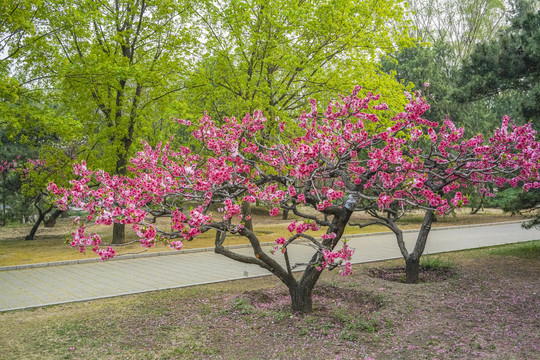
point(302, 227)
point(342, 256)
point(334, 154)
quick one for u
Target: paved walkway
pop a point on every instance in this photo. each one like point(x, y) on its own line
point(34, 287)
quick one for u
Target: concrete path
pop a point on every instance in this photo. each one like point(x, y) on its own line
point(34, 287)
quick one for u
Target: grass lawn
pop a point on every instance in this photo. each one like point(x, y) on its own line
point(477, 304)
point(50, 243)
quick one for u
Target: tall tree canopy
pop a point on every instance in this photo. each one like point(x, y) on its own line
point(460, 24)
point(113, 66)
point(508, 65)
point(449, 32)
point(275, 55)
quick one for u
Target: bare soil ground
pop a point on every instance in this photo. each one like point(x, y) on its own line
point(50, 243)
point(480, 304)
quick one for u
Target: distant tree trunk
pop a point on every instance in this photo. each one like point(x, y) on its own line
point(4, 208)
point(39, 220)
point(246, 215)
point(480, 206)
point(119, 233)
point(119, 230)
point(32, 234)
point(51, 221)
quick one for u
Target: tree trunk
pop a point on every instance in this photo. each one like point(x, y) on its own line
point(119, 233)
point(412, 262)
point(51, 221)
point(119, 230)
point(301, 298)
point(285, 215)
point(246, 215)
point(301, 295)
point(412, 270)
point(4, 208)
point(34, 229)
point(40, 218)
point(480, 206)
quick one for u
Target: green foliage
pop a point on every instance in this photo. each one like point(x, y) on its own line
point(275, 55)
point(435, 64)
point(508, 66)
point(516, 201)
point(115, 70)
point(421, 64)
point(437, 59)
point(17, 206)
point(460, 24)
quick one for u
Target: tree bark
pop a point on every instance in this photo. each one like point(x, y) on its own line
point(412, 270)
point(34, 229)
point(311, 274)
point(480, 206)
point(119, 233)
point(119, 230)
point(51, 221)
point(246, 215)
point(4, 208)
point(41, 217)
point(301, 300)
point(285, 215)
point(412, 262)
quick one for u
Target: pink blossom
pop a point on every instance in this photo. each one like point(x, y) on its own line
point(332, 156)
point(328, 236)
point(291, 227)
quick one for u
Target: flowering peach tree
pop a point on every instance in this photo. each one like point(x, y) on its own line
point(424, 165)
point(343, 160)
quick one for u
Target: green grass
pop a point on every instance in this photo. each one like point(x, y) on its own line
point(526, 250)
point(436, 262)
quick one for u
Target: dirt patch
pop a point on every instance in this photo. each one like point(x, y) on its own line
point(427, 273)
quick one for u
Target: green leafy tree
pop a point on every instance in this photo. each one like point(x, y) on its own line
point(508, 66)
point(275, 55)
point(449, 32)
point(460, 24)
point(114, 67)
